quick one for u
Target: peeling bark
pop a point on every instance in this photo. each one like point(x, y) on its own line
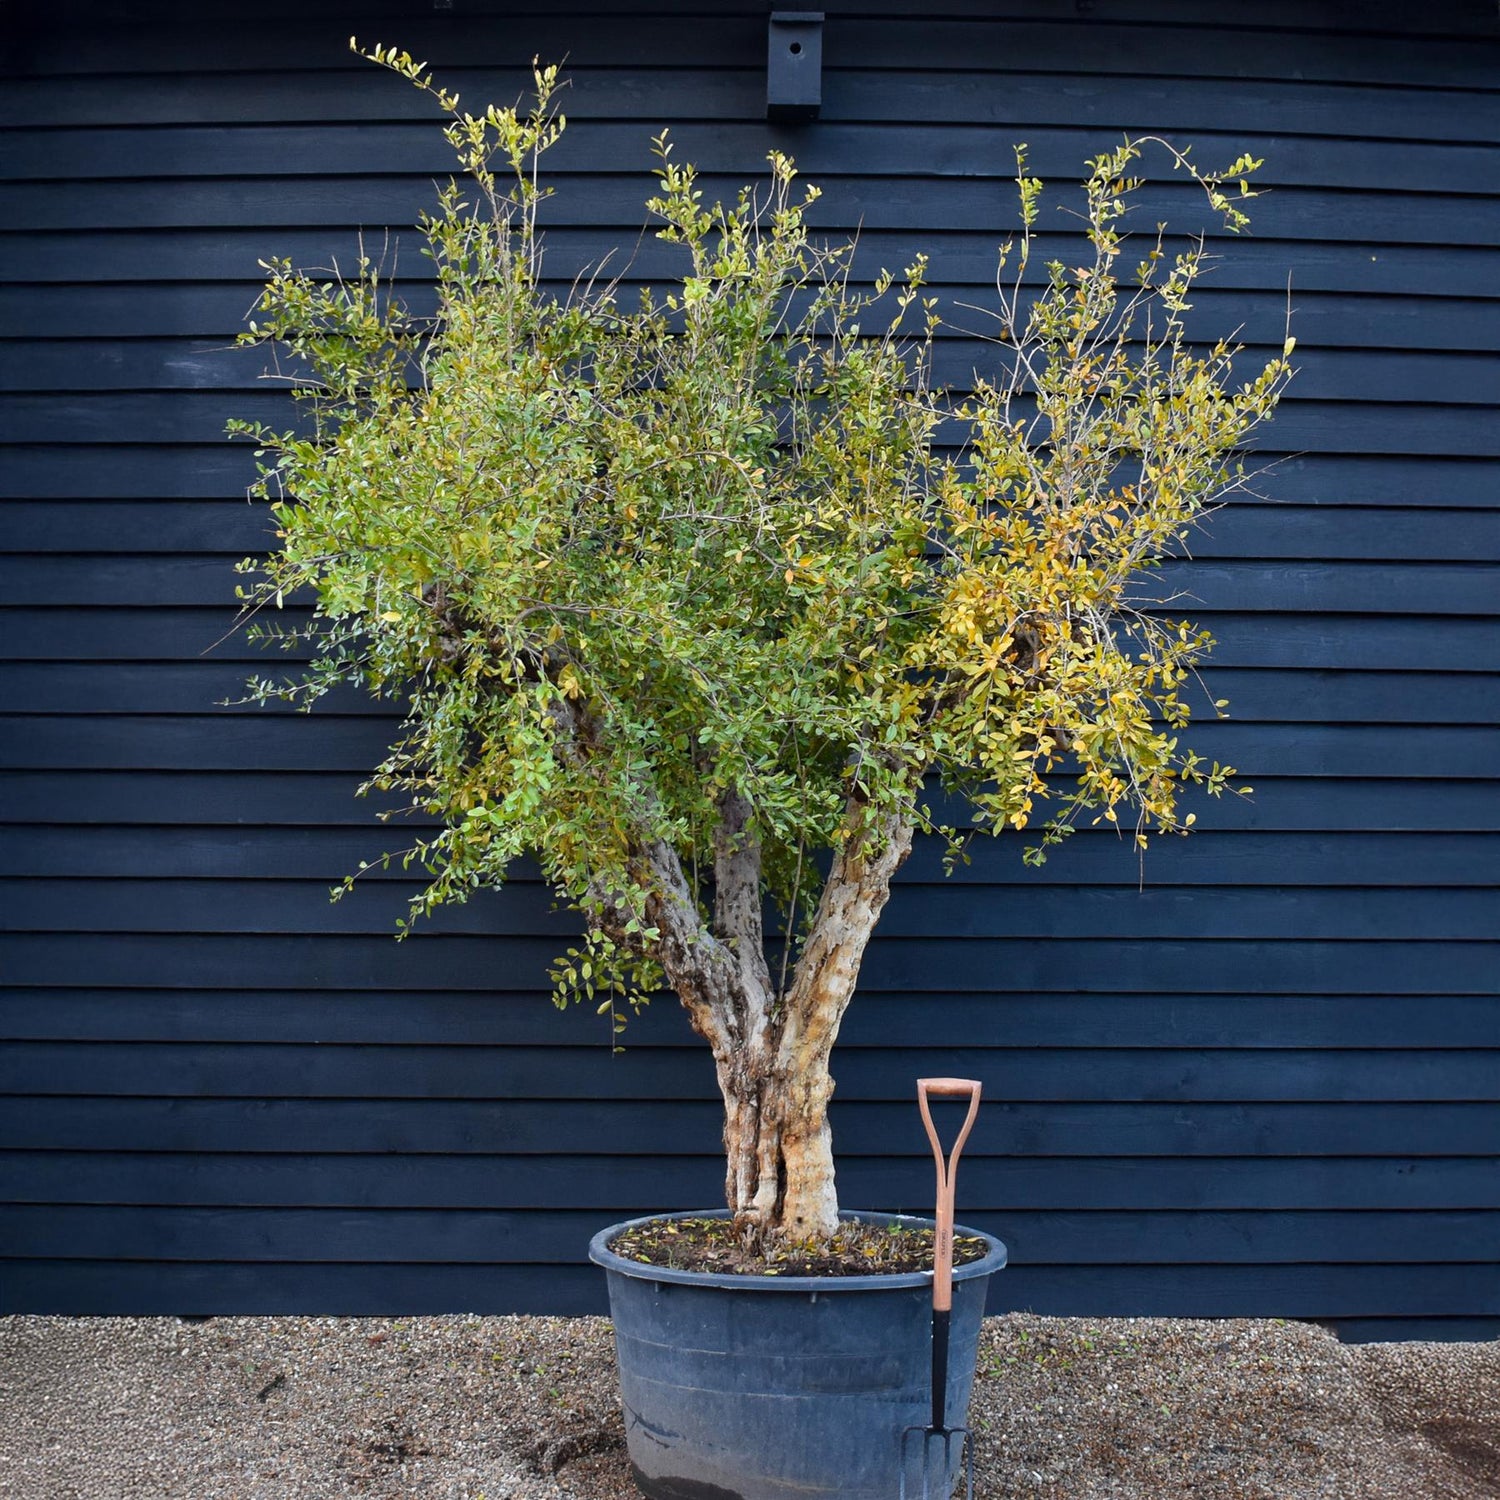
point(776, 1096)
point(737, 893)
point(858, 887)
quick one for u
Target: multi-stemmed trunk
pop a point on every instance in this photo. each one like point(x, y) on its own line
point(771, 1051)
point(770, 1047)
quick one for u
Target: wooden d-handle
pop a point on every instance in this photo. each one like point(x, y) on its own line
point(947, 1169)
point(949, 1088)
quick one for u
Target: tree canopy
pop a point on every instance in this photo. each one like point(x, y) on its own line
point(721, 561)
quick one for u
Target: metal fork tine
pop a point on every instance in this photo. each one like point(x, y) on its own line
point(920, 1444)
point(906, 1457)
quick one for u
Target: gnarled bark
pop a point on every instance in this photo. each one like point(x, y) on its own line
point(776, 1095)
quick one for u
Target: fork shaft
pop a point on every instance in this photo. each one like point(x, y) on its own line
point(940, 1320)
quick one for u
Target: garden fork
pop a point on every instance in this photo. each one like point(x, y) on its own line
point(938, 1441)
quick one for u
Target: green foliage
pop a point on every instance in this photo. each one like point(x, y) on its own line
point(624, 558)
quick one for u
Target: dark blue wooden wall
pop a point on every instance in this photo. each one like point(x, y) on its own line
point(1264, 1082)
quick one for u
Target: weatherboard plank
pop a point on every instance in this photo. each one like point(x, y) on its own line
point(327, 799)
point(1208, 857)
point(960, 911)
point(1221, 1074)
point(627, 1184)
point(680, 1128)
point(497, 1237)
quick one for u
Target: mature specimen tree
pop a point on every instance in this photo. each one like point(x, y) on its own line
point(685, 604)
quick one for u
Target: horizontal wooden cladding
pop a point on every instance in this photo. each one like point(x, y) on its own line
point(1463, 18)
point(1178, 1123)
point(1138, 963)
point(437, 1016)
point(147, 1288)
point(1293, 859)
point(1019, 101)
point(1361, 373)
point(960, 911)
point(252, 1150)
point(1346, 642)
point(133, 418)
point(1255, 696)
point(169, 526)
point(313, 1172)
point(327, 798)
point(297, 742)
point(995, 1019)
point(1464, 1296)
point(221, 469)
point(317, 799)
point(975, 41)
point(1245, 527)
point(497, 1237)
point(1388, 1330)
point(195, 471)
point(334, 1071)
point(916, 147)
point(1339, 219)
point(1097, 965)
point(1210, 585)
point(152, 365)
point(178, 260)
point(180, 334)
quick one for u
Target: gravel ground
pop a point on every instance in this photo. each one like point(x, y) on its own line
point(459, 1408)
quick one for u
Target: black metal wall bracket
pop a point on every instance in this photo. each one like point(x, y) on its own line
point(794, 65)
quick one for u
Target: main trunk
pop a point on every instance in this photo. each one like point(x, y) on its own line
point(771, 1051)
point(778, 1148)
point(772, 1055)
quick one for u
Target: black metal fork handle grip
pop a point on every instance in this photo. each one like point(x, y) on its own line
point(940, 1320)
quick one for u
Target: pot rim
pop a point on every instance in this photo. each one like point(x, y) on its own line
point(602, 1255)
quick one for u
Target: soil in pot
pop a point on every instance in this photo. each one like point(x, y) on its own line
point(858, 1249)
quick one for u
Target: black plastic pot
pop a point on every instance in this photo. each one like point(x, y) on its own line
point(782, 1388)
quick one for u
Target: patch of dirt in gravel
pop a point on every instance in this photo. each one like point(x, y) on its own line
point(470, 1408)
